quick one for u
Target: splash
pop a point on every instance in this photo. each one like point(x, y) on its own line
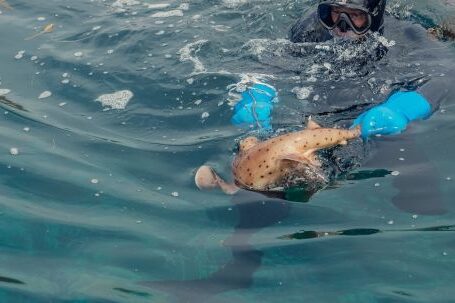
point(327, 60)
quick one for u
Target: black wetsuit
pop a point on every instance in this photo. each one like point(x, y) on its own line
point(435, 89)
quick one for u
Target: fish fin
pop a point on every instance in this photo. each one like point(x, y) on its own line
point(311, 124)
point(206, 178)
point(312, 157)
point(309, 153)
point(344, 142)
point(306, 158)
point(294, 157)
point(228, 188)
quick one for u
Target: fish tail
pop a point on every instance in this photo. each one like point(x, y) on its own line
point(207, 178)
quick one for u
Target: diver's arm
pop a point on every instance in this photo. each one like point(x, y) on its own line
point(403, 107)
point(393, 116)
point(308, 29)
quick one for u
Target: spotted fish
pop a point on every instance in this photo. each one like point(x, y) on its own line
point(262, 166)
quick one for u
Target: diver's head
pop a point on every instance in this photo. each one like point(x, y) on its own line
point(352, 18)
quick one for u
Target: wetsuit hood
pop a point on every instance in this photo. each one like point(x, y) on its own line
point(376, 8)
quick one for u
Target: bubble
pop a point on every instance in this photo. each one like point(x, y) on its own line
point(395, 173)
point(94, 181)
point(19, 55)
point(45, 94)
point(14, 151)
point(175, 194)
point(205, 115)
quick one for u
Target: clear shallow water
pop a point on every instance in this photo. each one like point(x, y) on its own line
point(100, 206)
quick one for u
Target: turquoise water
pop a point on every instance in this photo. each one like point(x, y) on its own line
point(99, 204)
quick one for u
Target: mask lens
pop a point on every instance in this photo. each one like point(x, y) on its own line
point(331, 16)
point(361, 20)
point(325, 16)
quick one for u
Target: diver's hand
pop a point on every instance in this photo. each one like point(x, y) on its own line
point(255, 107)
point(394, 115)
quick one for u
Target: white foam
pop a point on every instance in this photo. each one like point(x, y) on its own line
point(4, 91)
point(117, 100)
point(234, 3)
point(157, 5)
point(184, 6)
point(188, 53)
point(121, 3)
point(302, 93)
point(172, 13)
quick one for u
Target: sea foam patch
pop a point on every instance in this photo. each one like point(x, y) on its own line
point(4, 91)
point(121, 3)
point(117, 100)
point(172, 13)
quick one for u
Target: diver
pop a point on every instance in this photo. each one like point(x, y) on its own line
point(347, 19)
point(354, 21)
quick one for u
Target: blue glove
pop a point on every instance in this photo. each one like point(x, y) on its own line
point(255, 107)
point(394, 115)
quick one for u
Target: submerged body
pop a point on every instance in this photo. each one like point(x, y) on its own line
point(271, 164)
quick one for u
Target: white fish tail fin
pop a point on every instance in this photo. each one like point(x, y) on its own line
point(207, 178)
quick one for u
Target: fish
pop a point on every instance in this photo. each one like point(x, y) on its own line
point(46, 29)
point(268, 165)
